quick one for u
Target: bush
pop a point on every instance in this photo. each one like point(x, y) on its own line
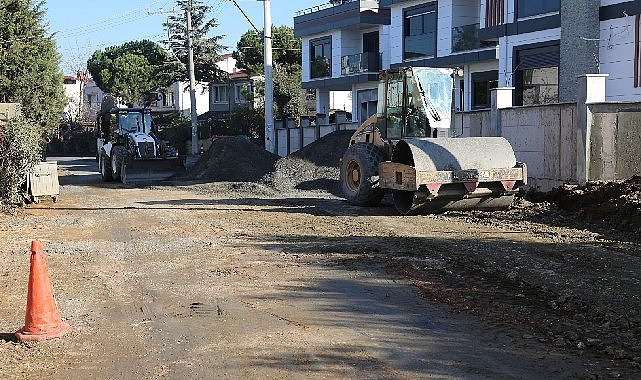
point(20, 150)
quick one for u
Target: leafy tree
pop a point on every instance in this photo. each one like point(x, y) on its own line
point(131, 71)
point(29, 72)
point(286, 55)
point(286, 50)
point(206, 49)
point(288, 96)
point(19, 152)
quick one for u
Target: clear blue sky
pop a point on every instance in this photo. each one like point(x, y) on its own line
point(82, 27)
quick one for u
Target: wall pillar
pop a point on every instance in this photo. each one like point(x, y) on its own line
point(501, 98)
point(591, 89)
point(322, 107)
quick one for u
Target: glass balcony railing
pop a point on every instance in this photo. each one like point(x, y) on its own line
point(360, 63)
point(320, 67)
point(466, 37)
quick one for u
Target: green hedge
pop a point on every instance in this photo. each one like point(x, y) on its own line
point(20, 150)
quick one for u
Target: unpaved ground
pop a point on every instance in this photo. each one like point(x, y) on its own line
point(233, 280)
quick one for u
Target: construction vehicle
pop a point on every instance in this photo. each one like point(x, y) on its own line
point(128, 146)
point(408, 147)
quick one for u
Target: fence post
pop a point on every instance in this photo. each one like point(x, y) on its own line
point(591, 90)
point(501, 98)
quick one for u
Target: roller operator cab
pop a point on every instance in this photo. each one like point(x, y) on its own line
point(408, 148)
point(128, 147)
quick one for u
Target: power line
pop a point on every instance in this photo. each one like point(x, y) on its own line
point(107, 22)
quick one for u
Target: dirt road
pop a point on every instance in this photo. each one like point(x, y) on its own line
point(225, 281)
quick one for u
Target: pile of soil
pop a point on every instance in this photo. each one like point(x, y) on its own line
point(615, 205)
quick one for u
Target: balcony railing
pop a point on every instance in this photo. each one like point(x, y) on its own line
point(466, 37)
point(360, 63)
point(320, 67)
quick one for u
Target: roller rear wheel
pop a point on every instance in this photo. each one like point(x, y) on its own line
point(359, 175)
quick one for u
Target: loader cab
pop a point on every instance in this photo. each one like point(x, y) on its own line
point(117, 123)
point(416, 103)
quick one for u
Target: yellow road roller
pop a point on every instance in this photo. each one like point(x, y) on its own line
point(408, 148)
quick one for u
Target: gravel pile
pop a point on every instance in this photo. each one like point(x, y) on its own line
point(315, 167)
point(233, 159)
point(236, 159)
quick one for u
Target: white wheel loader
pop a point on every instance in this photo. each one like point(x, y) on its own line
point(407, 148)
point(128, 147)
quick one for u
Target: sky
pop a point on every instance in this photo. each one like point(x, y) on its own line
point(82, 27)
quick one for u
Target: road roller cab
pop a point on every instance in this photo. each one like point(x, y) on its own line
point(408, 148)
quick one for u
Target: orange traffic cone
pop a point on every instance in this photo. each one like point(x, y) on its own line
point(42, 320)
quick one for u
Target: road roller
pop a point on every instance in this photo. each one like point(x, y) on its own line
point(408, 147)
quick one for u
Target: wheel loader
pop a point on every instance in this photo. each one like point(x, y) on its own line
point(128, 146)
point(407, 147)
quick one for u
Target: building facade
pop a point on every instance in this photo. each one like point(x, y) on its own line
point(538, 47)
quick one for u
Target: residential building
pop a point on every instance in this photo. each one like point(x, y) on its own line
point(83, 98)
point(232, 92)
point(537, 47)
point(73, 92)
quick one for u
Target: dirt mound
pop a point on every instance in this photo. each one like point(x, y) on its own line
point(233, 159)
point(314, 167)
point(616, 204)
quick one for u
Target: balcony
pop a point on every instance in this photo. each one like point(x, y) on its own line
point(320, 68)
point(360, 63)
point(466, 37)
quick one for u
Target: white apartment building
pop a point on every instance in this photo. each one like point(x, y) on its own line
point(537, 47)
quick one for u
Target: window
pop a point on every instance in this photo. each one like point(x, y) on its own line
point(419, 32)
point(321, 58)
point(241, 92)
point(168, 99)
point(92, 100)
point(527, 8)
point(482, 83)
point(221, 94)
point(537, 76)
point(541, 86)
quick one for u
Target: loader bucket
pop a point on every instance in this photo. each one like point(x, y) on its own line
point(444, 174)
point(150, 170)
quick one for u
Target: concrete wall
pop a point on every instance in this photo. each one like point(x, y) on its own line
point(542, 136)
point(615, 144)
point(292, 138)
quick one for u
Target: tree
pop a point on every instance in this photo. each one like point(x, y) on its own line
point(131, 71)
point(206, 49)
point(286, 50)
point(288, 96)
point(29, 72)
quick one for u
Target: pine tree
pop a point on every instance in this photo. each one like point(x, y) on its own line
point(207, 50)
point(29, 64)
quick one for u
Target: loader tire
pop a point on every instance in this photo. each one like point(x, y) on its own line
point(118, 154)
point(105, 169)
point(359, 175)
point(123, 172)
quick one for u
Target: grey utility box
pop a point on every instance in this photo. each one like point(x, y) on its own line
point(43, 181)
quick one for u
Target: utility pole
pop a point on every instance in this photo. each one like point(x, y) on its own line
point(192, 83)
point(192, 75)
point(269, 80)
